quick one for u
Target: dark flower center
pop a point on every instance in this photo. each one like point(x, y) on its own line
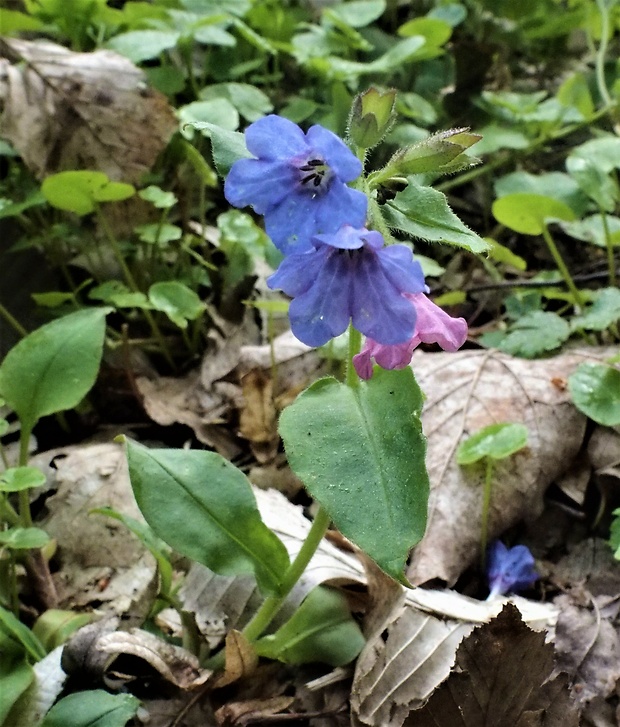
point(315, 172)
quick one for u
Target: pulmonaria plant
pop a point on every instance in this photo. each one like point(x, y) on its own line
point(297, 181)
point(357, 445)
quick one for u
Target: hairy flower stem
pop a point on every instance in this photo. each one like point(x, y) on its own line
point(486, 504)
point(578, 301)
point(23, 496)
point(355, 344)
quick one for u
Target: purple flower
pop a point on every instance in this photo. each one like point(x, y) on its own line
point(509, 569)
point(433, 325)
point(350, 275)
point(297, 182)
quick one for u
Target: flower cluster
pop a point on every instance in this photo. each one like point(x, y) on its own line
point(334, 268)
point(509, 569)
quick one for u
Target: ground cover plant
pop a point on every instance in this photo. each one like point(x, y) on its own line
point(182, 182)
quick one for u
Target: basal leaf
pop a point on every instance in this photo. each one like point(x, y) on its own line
point(203, 507)
point(603, 313)
point(80, 191)
point(142, 45)
point(23, 538)
point(496, 441)
point(534, 334)
point(424, 212)
point(228, 146)
point(595, 389)
point(321, 630)
point(94, 708)
point(526, 213)
point(54, 367)
point(177, 301)
point(15, 479)
point(360, 452)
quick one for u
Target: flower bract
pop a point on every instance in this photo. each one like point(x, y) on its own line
point(509, 569)
point(433, 325)
point(350, 275)
point(297, 181)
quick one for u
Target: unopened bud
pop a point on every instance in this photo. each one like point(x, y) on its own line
point(371, 117)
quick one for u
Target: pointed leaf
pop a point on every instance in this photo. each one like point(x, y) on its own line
point(203, 507)
point(94, 708)
point(322, 629)
point(54, 367)
point(360, 452)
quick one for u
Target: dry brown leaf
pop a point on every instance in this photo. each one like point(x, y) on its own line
point(100, 559)
point(252, 711)
point(258, 416)
point(65, 110)
point(502, 679)
point(465, 392)
point(241, 659)
point(176, 665)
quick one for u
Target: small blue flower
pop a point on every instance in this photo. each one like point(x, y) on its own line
point(509, 569)
point(297, 182)
point(350, 275)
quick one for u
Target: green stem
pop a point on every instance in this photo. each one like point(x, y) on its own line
point(601, 53)
point(578, 301)
point(24, 497)
point(486, 504)
point(272, 604)
point(7, 512)
point(611, 260)
point(12, 321)
point(131, 282)
point(355, 344)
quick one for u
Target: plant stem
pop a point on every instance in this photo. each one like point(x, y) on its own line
point(355, 343)
point(611, 260)
point(7, 512)
point(578, 301)
point(602, 52)
point(12, 321)
point(24, 497)
point(486, 503)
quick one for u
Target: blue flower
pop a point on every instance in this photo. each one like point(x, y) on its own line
point(509, 569)
point(297, 182)
point(350, 275)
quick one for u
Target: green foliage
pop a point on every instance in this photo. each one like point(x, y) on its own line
point(321, 630)
point(54, 367)
point(360, 451)
point(15, 479)
point(23, 538)
point(533, 334)
point(81, 192)
point(528, 213)
point(595, 390)
point(20, 636)
point(54, 626)
point(95, 707)
point(496, 441)
point(16, 676)
point(203, 507)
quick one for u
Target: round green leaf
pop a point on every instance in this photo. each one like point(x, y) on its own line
point(360, 452)
point(159, 234)
point(16, 479)
point(158, 197)
point(142, 45)
point(204, 508)
point(526, 213)
point(79, 192)
point(595, 389)
point(23, 538)
point(496, 441)
point(54, 367)
point(177, 301)
point(94, 708)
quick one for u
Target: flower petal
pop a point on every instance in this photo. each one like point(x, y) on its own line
point(335, 152)
point(261, 184)
point(346, 238)
point(340, 205)
point(274, 137)
point(402, 270)
point(292, 223)
point(295, 274)
point(434, 325)
point(509, 569)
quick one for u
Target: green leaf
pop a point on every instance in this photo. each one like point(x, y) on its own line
point(424, 212)
point(321, 630)
point(53, 299)
point(614, 534)
point(118, 294)
point(592, 229)
point(214, 519)
point(595, 389)
point(604, 312)
point(558, 185)
point(502, 254)
point(53, 368)
point(94, 708)
point(54, 626)
point(156, 546)
point(595, 182)
point(497, 441)
point(15, 678)
point(16, 479)
point(80, 192)
point(359, 13)
point(228, 146)
point(158, 197)
point(217, 112)
point(527, 213)
point(159, 233)
point(360, 452)
point(23, 538)
point(20, 634)
point(177, 301)
point(249, 101)
point(603, 152)
point(8, 208)
point(142, 45)
point(535, 334)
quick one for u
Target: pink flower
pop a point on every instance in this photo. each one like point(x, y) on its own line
point(433, 325)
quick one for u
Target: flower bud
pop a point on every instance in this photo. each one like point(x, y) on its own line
point(371, 116)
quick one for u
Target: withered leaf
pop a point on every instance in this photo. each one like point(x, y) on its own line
point(241, 659)
point(66, 110)
point(502, 679)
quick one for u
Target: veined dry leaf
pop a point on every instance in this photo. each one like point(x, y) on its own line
point(252, 711)
point(503, 679)
point(241, 659)
point(65, 110)
point(467, 391)
point(258, 417)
